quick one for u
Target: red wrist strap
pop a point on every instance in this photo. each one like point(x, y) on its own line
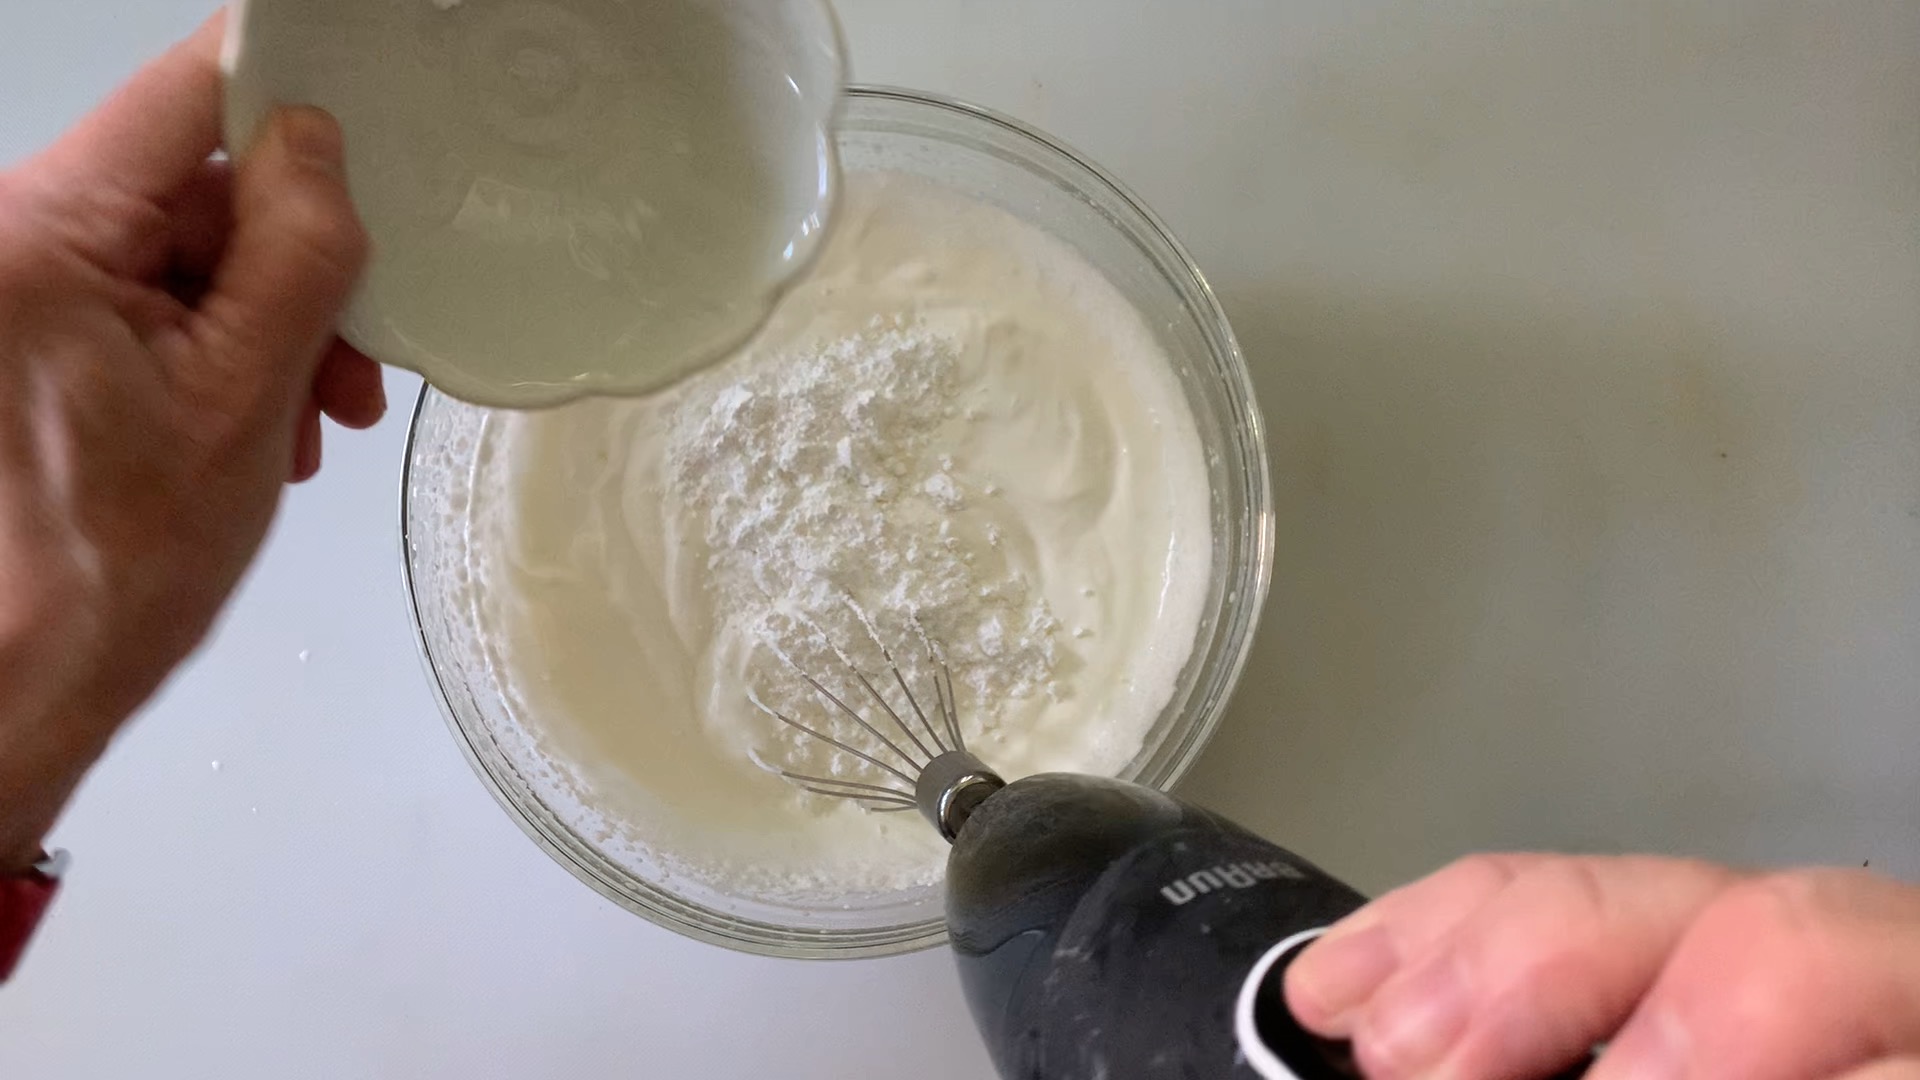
point(24, 899)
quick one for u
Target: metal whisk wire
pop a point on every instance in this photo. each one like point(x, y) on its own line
point(883, 798)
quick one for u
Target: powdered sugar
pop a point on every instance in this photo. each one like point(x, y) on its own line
point(823, 481)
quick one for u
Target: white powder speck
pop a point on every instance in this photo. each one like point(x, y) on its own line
point(941, 488)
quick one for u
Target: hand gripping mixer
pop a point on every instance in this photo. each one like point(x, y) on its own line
point(1103, 930)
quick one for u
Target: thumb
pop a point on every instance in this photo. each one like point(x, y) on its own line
point(296, 251)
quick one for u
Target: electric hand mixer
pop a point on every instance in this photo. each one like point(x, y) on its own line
point(1102, 929)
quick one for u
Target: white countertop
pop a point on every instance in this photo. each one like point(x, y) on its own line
point(1590, 342)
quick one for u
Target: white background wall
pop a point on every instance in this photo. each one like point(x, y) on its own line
point(1590, 338)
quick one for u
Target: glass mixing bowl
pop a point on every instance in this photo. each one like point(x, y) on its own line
point(1000, 161)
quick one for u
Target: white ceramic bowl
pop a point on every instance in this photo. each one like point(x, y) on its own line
point(565, 196)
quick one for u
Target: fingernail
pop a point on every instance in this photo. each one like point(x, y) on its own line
point(1338, 974)
point(1413, 1023)
point(314, 137)
point(1653, 1048)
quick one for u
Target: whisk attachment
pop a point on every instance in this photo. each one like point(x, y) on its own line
point(942, 780)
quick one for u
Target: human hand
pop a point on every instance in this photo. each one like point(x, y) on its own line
point(1513, 966)
point(166, 350)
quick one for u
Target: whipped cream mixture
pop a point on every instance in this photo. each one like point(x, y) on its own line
point(956, 439)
